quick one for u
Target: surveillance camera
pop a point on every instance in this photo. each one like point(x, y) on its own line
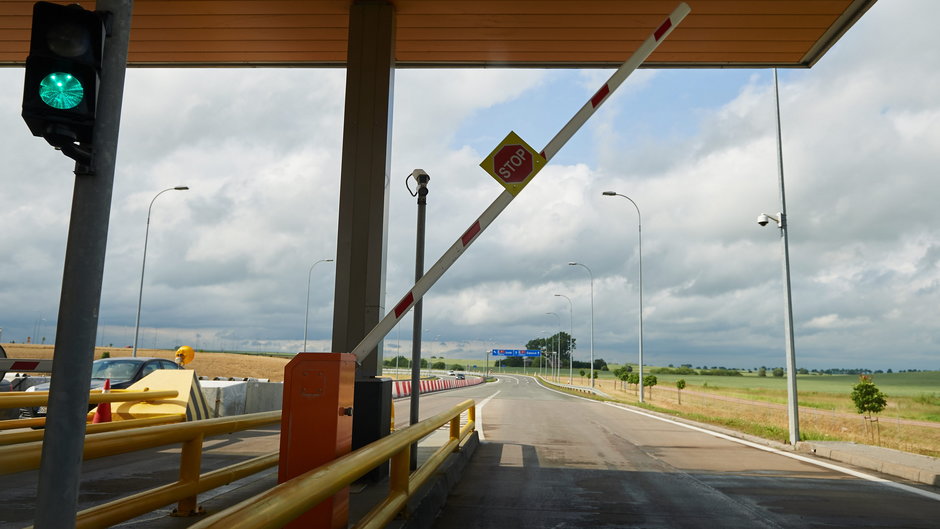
point(763, 219)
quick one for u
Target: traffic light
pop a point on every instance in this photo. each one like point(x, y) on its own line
point(62, 73)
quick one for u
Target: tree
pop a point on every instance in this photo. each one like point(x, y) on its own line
point(680, 385)
point(762, 372)
point(457, 367)
point(438, 365)
point(582, 376)
point(869, 400)
point(649, 381)
point(600, 365)
point(561, 341)
point(778, 372)
point(400, 361)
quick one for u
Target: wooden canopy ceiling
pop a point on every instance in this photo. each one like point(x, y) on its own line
point(478, 33)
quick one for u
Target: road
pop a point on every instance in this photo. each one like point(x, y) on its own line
point(551, 460)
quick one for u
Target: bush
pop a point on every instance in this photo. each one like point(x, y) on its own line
point(106, 354)
point(778, 372)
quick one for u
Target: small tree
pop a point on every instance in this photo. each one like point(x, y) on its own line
point(634, 378)
point(650, 381)
point(778, 372)
point(680, 385)
point(582, 376)
point(869, 400)
point(762, 372)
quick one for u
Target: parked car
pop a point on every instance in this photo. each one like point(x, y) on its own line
point(122, 371)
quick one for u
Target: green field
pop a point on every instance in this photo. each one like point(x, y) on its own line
point(893, 384)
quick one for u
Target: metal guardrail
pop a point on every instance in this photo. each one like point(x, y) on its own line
point(26, 456)
point(290, 499)
point(29, 399)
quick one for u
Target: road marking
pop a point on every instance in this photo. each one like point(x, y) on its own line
point(480, 413)
point(805, 459)
point(511, 455)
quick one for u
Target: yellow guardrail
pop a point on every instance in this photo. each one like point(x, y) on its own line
point(38, 435)
point(290, 499)
point(26, 456)
point(30, 399)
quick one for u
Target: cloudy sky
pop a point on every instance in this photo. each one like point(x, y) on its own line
point(228, 260)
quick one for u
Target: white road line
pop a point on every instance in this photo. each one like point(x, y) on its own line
point(805, 459)
point(480, 413)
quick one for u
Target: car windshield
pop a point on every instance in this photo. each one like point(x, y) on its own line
point(114, 369)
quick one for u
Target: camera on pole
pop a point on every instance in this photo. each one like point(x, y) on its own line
point(62, 74)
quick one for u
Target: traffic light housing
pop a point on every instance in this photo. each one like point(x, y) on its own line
point(60, 93)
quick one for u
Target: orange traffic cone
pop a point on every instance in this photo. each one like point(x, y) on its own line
point(103, 411)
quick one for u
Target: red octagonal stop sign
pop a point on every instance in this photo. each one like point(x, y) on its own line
point(513, 163)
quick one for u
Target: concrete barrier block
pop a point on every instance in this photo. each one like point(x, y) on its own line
point(225, 398)
point(263, 396)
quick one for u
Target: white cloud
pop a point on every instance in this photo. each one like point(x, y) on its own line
point(260, 149)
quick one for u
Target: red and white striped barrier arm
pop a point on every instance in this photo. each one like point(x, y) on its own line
point(453, 253)
point(25, 365)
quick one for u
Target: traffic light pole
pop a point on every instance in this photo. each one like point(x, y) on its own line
point(60, 468)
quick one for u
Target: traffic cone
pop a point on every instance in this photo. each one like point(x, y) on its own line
point(103, 411)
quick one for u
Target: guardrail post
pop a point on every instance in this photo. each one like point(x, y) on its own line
point(190, 465)
point(399, 479)
point(316, 426)
point(455, 431)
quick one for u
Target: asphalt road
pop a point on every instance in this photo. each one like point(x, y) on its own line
point(554, 461)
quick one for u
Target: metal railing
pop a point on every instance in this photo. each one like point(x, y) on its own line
point(26, 456)
point(290, 499)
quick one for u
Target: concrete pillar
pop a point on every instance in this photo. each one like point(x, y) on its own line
point(363, 209)
point(363, 199)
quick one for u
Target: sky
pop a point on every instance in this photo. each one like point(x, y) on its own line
point(228, 260)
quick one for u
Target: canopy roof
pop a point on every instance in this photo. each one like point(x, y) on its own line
point(479, 33)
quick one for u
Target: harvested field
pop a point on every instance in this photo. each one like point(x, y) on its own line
point(205, 364)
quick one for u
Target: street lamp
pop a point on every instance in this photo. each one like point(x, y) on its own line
point(592, 316)
point(640, 253)
point(307, 309)
point(570, 332)
point(781, 220)
point(143, 265)
point(557, 345)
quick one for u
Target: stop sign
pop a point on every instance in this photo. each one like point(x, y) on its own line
point(512, 163)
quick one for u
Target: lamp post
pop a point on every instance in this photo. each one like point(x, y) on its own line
point(570, 332)
point(781, 220)
point(640, 254)
point(557, 345)
point(592, 315)
point(307, 309)
point(143, 265)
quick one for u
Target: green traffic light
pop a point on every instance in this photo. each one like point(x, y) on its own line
point(61, 90)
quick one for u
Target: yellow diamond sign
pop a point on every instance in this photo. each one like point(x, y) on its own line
point(513, 163)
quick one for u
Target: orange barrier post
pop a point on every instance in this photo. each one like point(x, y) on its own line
point(316, 426)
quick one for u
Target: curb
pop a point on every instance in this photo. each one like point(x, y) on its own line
point(916, 468)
